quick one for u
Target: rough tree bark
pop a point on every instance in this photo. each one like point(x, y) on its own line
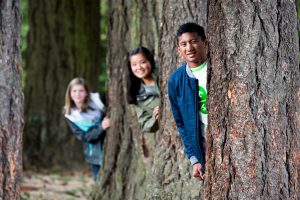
point(254, 109)
point(172, 168)
point(11, 100)
point(128, 172)
point(124, 170)
point(63, 42)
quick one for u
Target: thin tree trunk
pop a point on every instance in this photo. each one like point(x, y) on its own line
point(63, 42)
point(11, 100)
point(254, 101)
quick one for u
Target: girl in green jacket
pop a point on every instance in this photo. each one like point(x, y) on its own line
point(143, 89)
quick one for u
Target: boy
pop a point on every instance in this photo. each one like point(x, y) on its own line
point(188, 93)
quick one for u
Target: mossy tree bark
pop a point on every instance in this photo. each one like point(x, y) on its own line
point(63, 42)
point(254, 101)
point(11, 100)
point(145, 166)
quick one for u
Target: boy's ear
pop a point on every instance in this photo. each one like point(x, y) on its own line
point(206, 42)
point(178, 51)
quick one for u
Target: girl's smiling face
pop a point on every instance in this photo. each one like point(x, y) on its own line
point(78, 94)
point(140, 66)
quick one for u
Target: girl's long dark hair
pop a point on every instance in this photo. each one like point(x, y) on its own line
point(133, 82)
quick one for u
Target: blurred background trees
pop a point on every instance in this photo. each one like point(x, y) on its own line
point(63, 42)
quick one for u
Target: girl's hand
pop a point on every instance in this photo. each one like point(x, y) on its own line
point(156, 112)
point(105, 123)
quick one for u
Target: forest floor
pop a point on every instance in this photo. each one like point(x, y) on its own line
point(56, 185)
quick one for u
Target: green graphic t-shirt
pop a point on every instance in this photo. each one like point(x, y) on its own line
point(201, 74)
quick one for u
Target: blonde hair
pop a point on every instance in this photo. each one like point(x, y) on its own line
point(69, 103)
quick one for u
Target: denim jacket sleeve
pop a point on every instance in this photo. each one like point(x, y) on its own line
point(92, 135)
point(179, 121)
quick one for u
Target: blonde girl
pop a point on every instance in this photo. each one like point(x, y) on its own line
point(85, 115)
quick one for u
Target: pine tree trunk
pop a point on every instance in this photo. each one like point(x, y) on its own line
point(254, 101)
point(63, 42)
point(11, 99)
point(125, 168)
point(172, 168)
point(128, 171)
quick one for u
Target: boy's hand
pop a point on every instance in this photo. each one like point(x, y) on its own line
point(197, 172)
point(105, 123)
point(156, 112)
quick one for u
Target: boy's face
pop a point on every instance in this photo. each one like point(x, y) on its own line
point(192, 49)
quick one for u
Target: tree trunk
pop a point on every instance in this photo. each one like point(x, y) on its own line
point(125, 168)
point(63, 42)
point(11, 100)
point(149, 166)
point(172, 168)
point(254, 122)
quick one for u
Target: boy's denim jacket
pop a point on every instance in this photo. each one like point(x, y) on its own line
point(184, 99)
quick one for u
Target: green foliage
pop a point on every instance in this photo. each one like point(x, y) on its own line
point(24, 31)
point(25, 26)
point(104, 11)
point(298, 9)
point(103, 20)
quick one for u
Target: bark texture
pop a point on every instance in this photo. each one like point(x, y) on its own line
point(63, 42)
point(172, 168)
point(11, 100)
point(126, 168)
point(254, 101)
point(136, 165)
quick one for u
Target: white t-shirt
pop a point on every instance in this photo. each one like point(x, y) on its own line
point(201, 75)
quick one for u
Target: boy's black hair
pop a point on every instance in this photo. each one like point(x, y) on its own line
point(133, 82)
point(191, 27)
